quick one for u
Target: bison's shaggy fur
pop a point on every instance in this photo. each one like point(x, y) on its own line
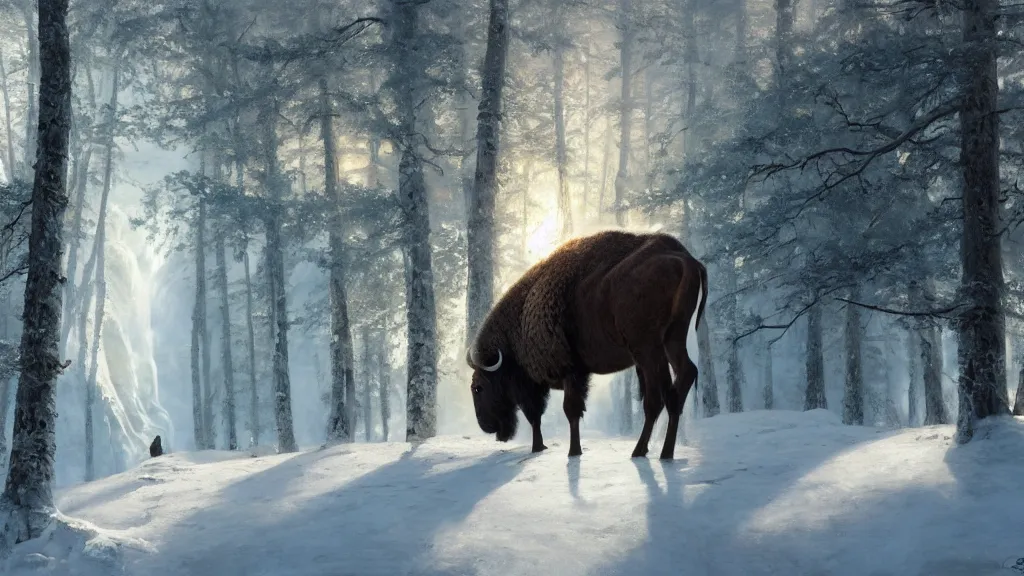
point(597, 305)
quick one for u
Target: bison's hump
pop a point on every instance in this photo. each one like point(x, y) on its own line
point(546, 354)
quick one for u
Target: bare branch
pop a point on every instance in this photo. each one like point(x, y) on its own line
point(18, 270)
point(305, 47)
point(919, 125)
point(940, 313)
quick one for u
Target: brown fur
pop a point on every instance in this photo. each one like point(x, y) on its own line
point(597, 305)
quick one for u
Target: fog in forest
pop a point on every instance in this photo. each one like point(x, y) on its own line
point(286, 218)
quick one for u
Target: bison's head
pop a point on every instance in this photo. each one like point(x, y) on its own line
point(492, 395)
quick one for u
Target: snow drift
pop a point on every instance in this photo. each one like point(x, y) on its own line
point(758, 493)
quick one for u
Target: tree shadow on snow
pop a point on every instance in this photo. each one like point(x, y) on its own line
point(733, 518)
point(383, 522)
point(988, 472)
point(695, 514)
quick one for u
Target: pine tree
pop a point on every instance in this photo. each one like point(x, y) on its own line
point(26, 505)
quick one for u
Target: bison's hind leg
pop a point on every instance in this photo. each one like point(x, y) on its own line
point(675, 396)
point(655, 380)
point(686, 371)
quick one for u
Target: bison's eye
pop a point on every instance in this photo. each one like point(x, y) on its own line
point(476, 388)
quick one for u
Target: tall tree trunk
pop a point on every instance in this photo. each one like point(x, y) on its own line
point(90, 381)
point(815, 395)
point(480, 224)
point(83, 349)
point(1018, 401)
point(200, 324)
point(81, 174)
point(228, 363)
point(524, 234)
point(341, 425)
point(587, 119)
point(625, 108)
point(384, 384)
point(914, 375)
point(254, 397)
point(302, 163)
point(99, 244)
point(421, 311)
point(80, 183)
point(26, 506)
point(734, 372)
point(468, 109)
point(690, 30)
point(931, 360)
point(927, 338)
point(209, 432)
point(648, 131)
point(784, 19)
point(367, 387)
point(243, 255)
point(32, 115)
point(708, 382)
point(373, 170)
point(741, 32)
point(279, 303)
point(769, 380)
point(605, 162)
point(625, 133)
point(853, 396)
point(198, 315)
point(982, 325)
point(84, 301)
point(561, 154)
point(8, 125)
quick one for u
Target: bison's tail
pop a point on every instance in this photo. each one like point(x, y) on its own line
point(680, 302)
point(703, 298)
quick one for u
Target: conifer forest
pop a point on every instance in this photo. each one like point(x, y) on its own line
point(272, 227)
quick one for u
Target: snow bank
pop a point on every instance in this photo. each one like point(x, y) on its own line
point(75, 547)
point(759, 493)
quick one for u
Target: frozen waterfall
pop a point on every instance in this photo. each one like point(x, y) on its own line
point(128, 410)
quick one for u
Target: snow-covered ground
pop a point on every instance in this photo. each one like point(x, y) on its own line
point(786, 493)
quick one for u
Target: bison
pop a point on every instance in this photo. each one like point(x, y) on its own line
point(597, 305)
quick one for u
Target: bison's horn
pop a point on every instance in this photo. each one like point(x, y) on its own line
point(496, 364)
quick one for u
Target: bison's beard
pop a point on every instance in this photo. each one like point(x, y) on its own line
point(507, 429)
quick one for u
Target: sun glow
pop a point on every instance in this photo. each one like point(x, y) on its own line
point(543, 237)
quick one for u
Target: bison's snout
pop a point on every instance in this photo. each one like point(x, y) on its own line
point(487, 426)
point(503, 428)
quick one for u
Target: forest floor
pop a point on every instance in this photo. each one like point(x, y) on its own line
point(758, 493)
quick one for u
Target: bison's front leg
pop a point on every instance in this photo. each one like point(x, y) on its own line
point(533, 411)
point(575, 404)
point(538, 438)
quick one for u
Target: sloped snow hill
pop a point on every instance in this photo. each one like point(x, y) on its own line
point(759, 493)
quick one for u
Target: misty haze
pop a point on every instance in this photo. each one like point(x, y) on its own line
point(453, 287)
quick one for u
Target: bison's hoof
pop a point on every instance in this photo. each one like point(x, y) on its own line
point(575, 452)
point(540, 448)
point(668, 456)
point(639, 454)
